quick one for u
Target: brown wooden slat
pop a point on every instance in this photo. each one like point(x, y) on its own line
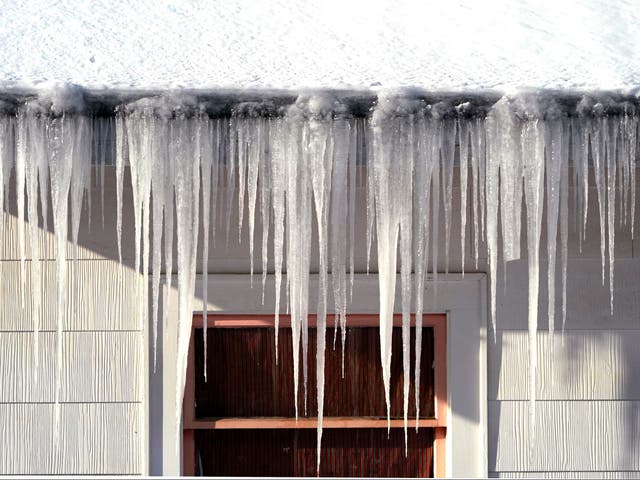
point(244, 380)
point(345, 453)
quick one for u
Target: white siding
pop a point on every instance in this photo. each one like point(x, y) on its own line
point(570, 436)
point(97, 367)
point(94, 439)
point(613, 475)
point(104, 358)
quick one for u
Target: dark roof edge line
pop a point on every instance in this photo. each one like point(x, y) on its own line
point(356, 102)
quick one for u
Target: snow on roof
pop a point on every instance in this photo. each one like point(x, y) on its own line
point(437, 45)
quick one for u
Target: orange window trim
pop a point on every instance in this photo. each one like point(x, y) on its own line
point(190, 423)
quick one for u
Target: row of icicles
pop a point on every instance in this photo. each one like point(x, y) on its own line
point(300, 168)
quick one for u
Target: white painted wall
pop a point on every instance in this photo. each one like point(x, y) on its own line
point(588, 415)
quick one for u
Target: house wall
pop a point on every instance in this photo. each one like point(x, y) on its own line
point(104, 373)
point(586, 419)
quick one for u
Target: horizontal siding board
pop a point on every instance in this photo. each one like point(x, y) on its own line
point(587, 298)
point(569, 436)
point(94, 439)
point(97, 367)
point(613, 475)
point(101, 296)
point(582, 365)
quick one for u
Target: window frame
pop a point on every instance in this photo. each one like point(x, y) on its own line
point(464, 299)
point(190, 423)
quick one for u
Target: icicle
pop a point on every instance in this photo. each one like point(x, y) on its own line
point(610, 129)
point(206, 160)
point(632, 133)
point(140, 130)
point(493, 160)
point(245, 140)
point(63, 133)
point(507, 149)
point(43, 173)
point(255, 154)
point(278, 171)
point(353, 165)
point(120, 156)
point(160, 161)
point(231, 172)
point(584, 157)
point(579, 151)
point(85, 197)
point(81, 173)
point(103, 132)
point(169, 185)
point(36, 137)
point(387, 228)
point(392, 176)
point(298, 208)
point(476, 193)
point(533, 169)
point(481, 152)
point(447, 148)
point(183, 138)
point(6, 159)
point(463, 136)
point(21, 165)
point(423, 167)
point(403, 186)
point(338, 233)
point(623, 169)
point(598, 155)
point(564, 223)
point(216, 191)
point(265, 189)
point(321, 159)
point(435, 199)
point(371, 205)
point(555, 158)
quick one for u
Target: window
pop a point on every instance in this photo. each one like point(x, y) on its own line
point(241, 421)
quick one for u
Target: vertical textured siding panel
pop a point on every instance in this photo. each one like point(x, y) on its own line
point(595, 365)
point(94, 439)
point(103, 362)
point(98, 367)
point(98, 299)
point(570, 436)
point(569, 475)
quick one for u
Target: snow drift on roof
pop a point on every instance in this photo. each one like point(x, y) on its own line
point(463, 45)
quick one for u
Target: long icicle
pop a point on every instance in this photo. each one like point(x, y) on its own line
point(62, 137)
point(533, 157)
point(206, 161)
point(36, 136)
point(160, 160)
point(463, 139)
point(422, 190)
point(404, 188)
point(555, 158)
point(278, 172)
point(321, 150)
